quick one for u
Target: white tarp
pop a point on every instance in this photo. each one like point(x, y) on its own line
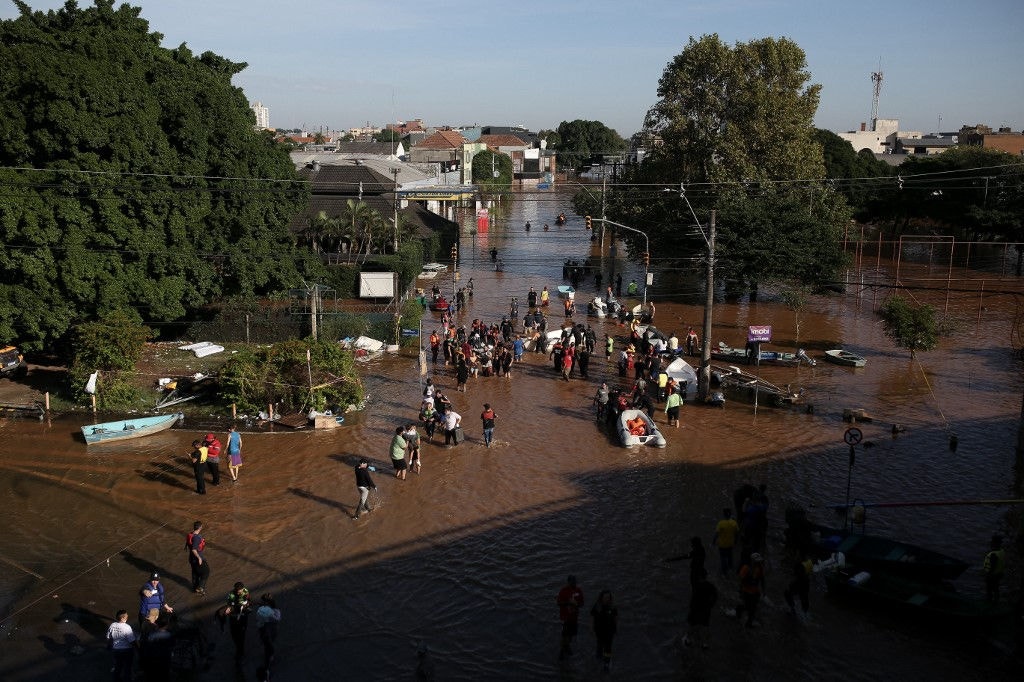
point(203, 348)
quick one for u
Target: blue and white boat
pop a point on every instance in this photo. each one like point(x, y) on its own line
point(129, 428)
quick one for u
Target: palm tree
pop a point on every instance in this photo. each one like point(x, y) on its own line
point(404, 230)
point(356, 214)
point(314, 230)
point(376, 228)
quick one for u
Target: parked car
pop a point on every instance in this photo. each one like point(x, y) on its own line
point(12, 363)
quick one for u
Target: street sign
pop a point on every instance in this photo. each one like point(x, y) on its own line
point(853, 436)
point(759, 333)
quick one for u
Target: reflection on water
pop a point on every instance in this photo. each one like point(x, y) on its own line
point(468, 556)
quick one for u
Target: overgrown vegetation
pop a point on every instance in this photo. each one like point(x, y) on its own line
point(112, 346)
point(910, 326)
point(281, 375)
point(149, 188)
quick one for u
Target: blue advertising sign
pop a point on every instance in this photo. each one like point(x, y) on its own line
point(759, 333)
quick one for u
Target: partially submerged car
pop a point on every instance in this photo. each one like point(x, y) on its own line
point(12, 363)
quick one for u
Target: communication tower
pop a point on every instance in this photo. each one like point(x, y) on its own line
point(876, 79)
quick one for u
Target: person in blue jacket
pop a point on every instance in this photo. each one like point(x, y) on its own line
point(151, 596)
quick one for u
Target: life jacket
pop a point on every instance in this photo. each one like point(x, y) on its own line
point(188, 542)
point(994, 562)
point(750, 578)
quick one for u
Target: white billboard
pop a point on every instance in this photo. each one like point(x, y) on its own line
point(376, 284)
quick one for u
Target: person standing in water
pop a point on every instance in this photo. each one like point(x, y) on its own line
point(364, 484)
point(487, 417)
point(570, 601)
point(605, 617)
point(234, 451)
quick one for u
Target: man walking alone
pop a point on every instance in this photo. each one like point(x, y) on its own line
point(364, 484)
point(487, 417)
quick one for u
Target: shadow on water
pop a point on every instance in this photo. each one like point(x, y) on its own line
point(167, 474)
point(322, 500)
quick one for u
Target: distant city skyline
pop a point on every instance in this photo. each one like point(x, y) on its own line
point(341, 64)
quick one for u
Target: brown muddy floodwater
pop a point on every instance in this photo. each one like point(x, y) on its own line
point(468, 556)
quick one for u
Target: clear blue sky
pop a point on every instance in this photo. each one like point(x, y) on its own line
point(343, 63)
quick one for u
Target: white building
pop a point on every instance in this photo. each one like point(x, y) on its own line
point(876, 139)
point(262, 115)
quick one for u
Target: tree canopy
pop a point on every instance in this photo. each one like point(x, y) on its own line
point(733, 129)
point(582, 142)
point(911, 326)
point(483, 176)
point(136, 178)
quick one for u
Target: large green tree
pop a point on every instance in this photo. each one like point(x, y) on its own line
point(858, 176)
point(134, 176)
point(734, 130)
point(485, 164)
point(582, 142)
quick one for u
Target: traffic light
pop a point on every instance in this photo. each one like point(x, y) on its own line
point(589, 223)
point(647, 259)
point(455, 252)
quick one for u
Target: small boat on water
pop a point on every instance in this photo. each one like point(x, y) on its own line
point(363, 347)
point(935, 601)
point(439, 304)
point(684, 374)
point(748, 387)
point(566, 291)
point(884, 555)
point(129, 428)
point(845, 357)
point(725, 353)
point(636, 428)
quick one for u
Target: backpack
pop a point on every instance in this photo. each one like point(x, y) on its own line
point(188, 542)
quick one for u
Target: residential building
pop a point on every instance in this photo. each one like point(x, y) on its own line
point(333, 185)
point(1004, 139)
point(443, 148)
point(262, 115)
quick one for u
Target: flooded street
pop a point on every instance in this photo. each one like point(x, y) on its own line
point(468, 556)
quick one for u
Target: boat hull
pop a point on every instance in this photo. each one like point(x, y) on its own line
point(881, 554)
point(652, 435)
point(845, 358)
point(744, 386)
point(129, 428)
point(931, 601)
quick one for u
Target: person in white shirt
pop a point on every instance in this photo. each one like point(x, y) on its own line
point(121, 642)
point(452, 421)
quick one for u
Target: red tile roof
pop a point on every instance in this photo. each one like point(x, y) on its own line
point(443, 139)
point(502, 141)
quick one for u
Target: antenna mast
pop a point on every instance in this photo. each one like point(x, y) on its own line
point(876, 79)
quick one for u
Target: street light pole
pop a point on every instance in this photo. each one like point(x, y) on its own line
point(704, 380)
point(394, 171)
point(647, 249)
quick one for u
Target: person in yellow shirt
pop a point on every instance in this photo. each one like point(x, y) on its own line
point(198, 458)
point(726, 533)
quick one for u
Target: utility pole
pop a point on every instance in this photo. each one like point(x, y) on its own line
point(314, 304)
point(704, 380)
point(394, 171)
point(611, 237)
